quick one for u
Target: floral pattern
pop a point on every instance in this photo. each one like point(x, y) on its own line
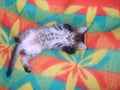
point(97, 68)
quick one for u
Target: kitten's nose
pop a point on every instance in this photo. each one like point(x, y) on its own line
point(70, 37)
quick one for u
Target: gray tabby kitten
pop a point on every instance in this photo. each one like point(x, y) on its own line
point(35, 40)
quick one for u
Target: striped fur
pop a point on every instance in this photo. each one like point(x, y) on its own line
point(35, 40)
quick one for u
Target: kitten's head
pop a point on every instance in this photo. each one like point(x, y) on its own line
point(75, 36)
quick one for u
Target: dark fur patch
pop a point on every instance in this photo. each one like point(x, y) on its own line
point(79, 38)
point(57, 45)
point(27, 69)
point(69, 27)
point(12, 62)
point(17, 39)
point(9, 71)
point(69, 49)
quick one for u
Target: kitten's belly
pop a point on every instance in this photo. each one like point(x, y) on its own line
point(34, 48)
point(31, 44)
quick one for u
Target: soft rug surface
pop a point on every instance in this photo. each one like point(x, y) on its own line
point(97, 68)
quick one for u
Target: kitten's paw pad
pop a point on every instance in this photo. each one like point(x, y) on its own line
point(27, 69)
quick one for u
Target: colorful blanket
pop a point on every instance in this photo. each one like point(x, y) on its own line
point(97, 68)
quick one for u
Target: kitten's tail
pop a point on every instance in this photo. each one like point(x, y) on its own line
point(13, 60)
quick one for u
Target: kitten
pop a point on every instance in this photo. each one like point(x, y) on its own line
point(35, 40)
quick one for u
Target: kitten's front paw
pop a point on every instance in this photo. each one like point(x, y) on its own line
point(69, 27)
point(69, 49)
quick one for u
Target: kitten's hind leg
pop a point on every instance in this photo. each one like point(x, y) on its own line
point(25, 62)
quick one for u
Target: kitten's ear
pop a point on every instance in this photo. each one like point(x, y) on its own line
point(81, 46)
point(82, 30)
